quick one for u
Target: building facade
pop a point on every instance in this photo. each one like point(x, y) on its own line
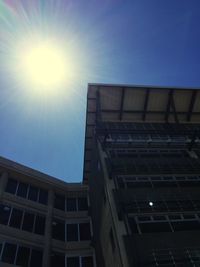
point(43, 221)
point(142, 164)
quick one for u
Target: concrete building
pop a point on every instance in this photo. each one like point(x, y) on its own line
point(142, 164)
point(43, 221)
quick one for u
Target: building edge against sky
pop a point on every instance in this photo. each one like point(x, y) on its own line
point(143, 169)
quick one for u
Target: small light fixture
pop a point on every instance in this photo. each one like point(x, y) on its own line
point(151, 203)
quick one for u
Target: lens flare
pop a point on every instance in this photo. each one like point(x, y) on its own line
point(42, 65)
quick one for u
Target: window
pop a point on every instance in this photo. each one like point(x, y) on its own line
point(43, 196)
point(155, 227)
point(82, 203)
point(87, 261)
point(28, 222)
point(33, 193)
point(9, 252)
point(4, 214)
point(71, 204)
point(39, 225)
point(16, 218)
point(36, 258)
point(57, 259)
point(22, 190)
point(23, 256)
point(58, 229)
point(73, 262)
point(59, 202)
point(84, 229)
point(72, 232)
point(11, 186)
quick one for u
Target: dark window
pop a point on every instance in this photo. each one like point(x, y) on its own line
point(4, 214)
point(28, 222)
point(133, 225)
point(58, 229)
point(82, 203)
point(72, 232)
point(73, 262)
point(58, 259)
point(11, 186)
point(155, 227)
point(36, 258)
point(9, 253)
point(59, 202)
point(22, 190)
point(84, 231)
point(71, 204)
point(16, 218)
point(186, 226)
point(23, 256)
point(39, 225)
point(43, 197)
point(33, 193)
point(112, 241)
point(87, 261)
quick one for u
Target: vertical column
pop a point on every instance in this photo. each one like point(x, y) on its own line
point(48, 235)
point(3, 182)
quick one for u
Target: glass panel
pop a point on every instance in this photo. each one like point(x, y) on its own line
point(87, 261)
point(82, 203)
point(84, 231)
point(58, 229)
point(33, 193)
point(57, 259)
point(28, 222)
point(43, 197)
point(23, 256)
point(9, 253)
point(59, 202)
point(22, 190)
point(72, 232)
point(16, 218)
point(155, 227)
point(4, 214)
point(39, 225)
point(11, 186)
point(71, 204)
point(73, 262)
point(36, 258)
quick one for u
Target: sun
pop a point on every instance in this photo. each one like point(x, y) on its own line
point(42, 65)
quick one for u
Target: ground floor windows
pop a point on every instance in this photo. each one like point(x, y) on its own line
point(62, 260)
point(20, 255)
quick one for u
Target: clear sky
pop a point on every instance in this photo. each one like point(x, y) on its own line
point(152, 42)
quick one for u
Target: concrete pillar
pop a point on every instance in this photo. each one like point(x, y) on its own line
point(48, 227)
point(3, 183)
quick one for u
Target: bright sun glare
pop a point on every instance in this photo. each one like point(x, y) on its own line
point(43, 65)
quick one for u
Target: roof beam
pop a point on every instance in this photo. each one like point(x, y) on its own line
point(122, 104)
point(191, 106)
point(98, 106)
point(146, 104)
point(168, 105)
point(174, 109)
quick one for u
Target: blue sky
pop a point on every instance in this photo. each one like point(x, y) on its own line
point(117, 41)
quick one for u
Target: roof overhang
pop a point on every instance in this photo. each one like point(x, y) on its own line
point(125, 103)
